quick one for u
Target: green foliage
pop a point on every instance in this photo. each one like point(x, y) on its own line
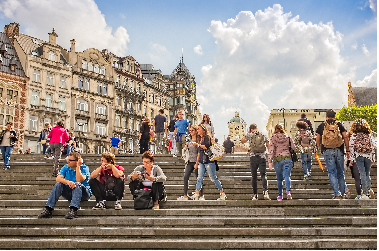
point(369, 113)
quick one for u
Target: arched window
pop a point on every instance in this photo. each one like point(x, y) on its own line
point(102, 70)
point(82, 105)
point(96, 68)
point(51, 56)
point(84, 64)
point(101, 109)
point(90, 66)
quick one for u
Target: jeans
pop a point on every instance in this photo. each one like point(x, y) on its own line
point(211, 169)
point(306, 163)
point(334, 161)
point(357, 178)
point(283, 170)
point(69, 149)
point(6, 152)
point(160, 136)
point(44, 147)
point(56, 150)
point(180, 143)
point(171, 135)
point(99, 191)
point(364, 165)
point(75, 196)
point(255, 163)
point(187, 173)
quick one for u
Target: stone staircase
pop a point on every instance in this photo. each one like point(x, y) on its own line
point(312, 220)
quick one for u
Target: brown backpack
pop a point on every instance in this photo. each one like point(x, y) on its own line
point(332, 137)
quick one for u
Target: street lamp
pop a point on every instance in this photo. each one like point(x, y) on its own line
point(284, 120)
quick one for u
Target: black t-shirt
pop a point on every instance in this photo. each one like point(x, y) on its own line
point(171, 127)
point(320, 130)
point(145, 128)
point(228, 144)
point(159, 121)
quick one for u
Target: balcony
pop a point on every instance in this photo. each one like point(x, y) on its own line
point(81, 113)
point(101, 117)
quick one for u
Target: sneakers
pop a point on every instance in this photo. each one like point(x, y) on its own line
point(101, 205)
point(6, 167)
point(255, 197)
point(338, 197)
point(372, 194)
point(266, 196)
point(306, 177)
point(73, 213)
point(155, 207)
point(52, 157)
point(279, 198)
point(195, 196)
point(222, 196)
point(182, 198)
point(117, 205)
point(347, 193)
point(46, 213)
point(289, 196)
point(365, 197)
point(358, 197)
point(202, 198)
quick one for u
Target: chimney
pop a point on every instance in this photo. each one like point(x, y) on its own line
point(72, 45)
point(53, 37)
point(12, 30)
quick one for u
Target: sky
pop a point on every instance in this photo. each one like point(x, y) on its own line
point(249, 56)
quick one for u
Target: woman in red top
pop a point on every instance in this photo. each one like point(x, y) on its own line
point(58, 138)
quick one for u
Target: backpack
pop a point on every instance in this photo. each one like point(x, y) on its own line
point(331, 137)
point(305, 138)
point(362, 143)
point(257, 143)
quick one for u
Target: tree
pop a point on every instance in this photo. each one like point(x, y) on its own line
point(369, 113)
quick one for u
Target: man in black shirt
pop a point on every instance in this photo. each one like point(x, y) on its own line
point(228, 145)
point(171, 132)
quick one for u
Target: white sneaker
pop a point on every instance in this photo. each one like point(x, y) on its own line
point(202, 198)
point(364, 197)
point(182, 198)
point(117, 205)
point(255, 197)
point(266, 196)
point(52, 157)
point(195, 196)
point(372, 194)
point(222, 196)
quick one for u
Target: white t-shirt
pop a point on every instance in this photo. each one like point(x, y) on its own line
point(149, 183)
point(6, 139)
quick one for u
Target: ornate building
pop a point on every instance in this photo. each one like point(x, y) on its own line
point(12, 86)
point(182, 87)
point(48, 89)
point(237, 130)
point(362, 96)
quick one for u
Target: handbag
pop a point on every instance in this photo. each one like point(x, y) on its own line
point(43, 141)
point(142, 199)
point(292, 152)
point(215, 151)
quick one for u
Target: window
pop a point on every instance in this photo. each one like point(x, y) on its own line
point(125, 83)
point(51, 56)
point(82, 105)
point(131, 123)
point(138, 88)
point(84, 64)
point(152, 114)
point(144, 111)
point(145, 94)
point(101, 109)
point(50, 79)
point(96, 68)
point(90, 67)
point(63, 82)
point(12, 95)
point(35, 98)
point(137, 125)
point(62, 103)
point(124, 122)
point(86, 84)
point(37, 76)
point(152, 98)
point(81, 125)
point(138, 107)
point(102, 88)
point(102, 70)
point(159, 101)
point(117, 121)
point(118, 100)
point(80, 83)
point(9, 113)
point(293, 124)
point(131, 86)
point(101, 128)
point(1, 92)
point(130, 105)
point(49, 100)
point(118, 80)
point(33, 121)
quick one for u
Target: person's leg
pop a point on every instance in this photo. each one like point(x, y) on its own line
point(187, 173)
point(200, 178)
point(202, 187)
point(357, 178)
point(8, 151)
point(330, 161)
point(304, 164)
point(287, 166)
point(134, 185)
point(340, 171)
point(309, 162)
point(119, 188)
point(362, 172)
point(157, 191)
point(279, 177)
point(79, 193)
point(254, 163)
point(56, 192)
point(211, 169)
point(367, 169)
point(2, 148)
point(179, 145)
point(98, 189)
point(44, 146)
point(262, 170)
point(56, 149)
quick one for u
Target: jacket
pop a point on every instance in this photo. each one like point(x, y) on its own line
point(157, 173)
point(43, 135)
point(12, 139)
point(58, 135)
point(279, 146)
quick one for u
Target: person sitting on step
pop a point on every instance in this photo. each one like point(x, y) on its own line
point(107, 182)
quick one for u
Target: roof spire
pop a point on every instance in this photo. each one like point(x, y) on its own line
point(182, 56)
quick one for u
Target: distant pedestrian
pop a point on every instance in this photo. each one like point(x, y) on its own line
point(207, 122)
point(279, 156)
point(8, 140)
point(258, 144)
point(330, 138)
point(160, 126)
point(58, 137)
point(228, 145)
point(28, 151)
point(362, 152)
point(309, 123)
point(69, 144)
point(181, 126)
point(306, 145)
point(43, 139)
point(171, 133)
point(144, 136)
point(115, 144)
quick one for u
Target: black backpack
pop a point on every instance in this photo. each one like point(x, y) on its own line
point(142, 199)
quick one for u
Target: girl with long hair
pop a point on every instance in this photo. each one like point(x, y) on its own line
point(144, 136)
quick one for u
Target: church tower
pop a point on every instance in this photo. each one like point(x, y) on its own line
point(237, 130)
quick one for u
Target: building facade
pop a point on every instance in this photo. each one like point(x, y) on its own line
point(237, 130)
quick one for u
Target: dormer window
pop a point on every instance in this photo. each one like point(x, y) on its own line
point(84, 64)
point(102, 70)
point(90, 66)
point(96, 68)
point(3, 50)
point(13, 64)
point(51, 56)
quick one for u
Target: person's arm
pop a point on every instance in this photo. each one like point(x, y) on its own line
point(79, 176)
point(116, 173)
point(346, 140)
point(176, 129)
point(318, 141)
point(243, 140)
point(197, 160)
point(96, 172)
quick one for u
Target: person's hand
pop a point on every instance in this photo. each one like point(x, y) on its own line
point(195, 144)
point(348, 155)
point(351, 163)
point(147, 176)
point(270, 166)
point(196, 166)
point(80, 162)
point(71, 184)
point(135, 176)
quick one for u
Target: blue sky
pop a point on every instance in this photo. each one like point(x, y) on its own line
point(249, 56)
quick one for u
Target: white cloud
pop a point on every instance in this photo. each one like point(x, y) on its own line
point(198, 50)
point(74, 19)
point(354, 46)
point(372, 4)
point(369, 81)
point(365, 50)
point(269, 60)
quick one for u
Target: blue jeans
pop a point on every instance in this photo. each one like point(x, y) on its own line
point(334, 161)
point(306, 163)
point(364, 165)
point(44, 147)
point(75, 196)
point(283, 170)
point(6, 152)
point(211, 169)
